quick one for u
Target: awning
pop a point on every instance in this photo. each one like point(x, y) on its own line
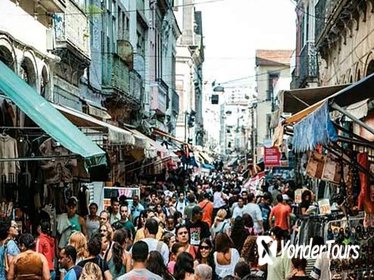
point(165, 134)
point(116, 135)
point(293, 101)
point(206, 157)
point(48, 118)
point(354, 93)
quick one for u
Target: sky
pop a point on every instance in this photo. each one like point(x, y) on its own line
point(234, 29)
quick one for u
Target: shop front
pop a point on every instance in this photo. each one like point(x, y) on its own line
point(333, 140)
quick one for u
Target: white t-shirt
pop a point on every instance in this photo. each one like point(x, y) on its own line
point(152, 246)
point(237, 212)
point(321, 268)
point(180, 205)
point(218, 201)
point(255, 211)
point(140, 274)
point(228, 269)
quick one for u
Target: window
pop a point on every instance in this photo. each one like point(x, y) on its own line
point(273, 79)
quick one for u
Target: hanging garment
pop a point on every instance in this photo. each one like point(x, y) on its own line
point(364, 201)
point(8, 149)
point(82, 201)
point(59, 169)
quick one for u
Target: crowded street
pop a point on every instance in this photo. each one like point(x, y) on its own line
point(187, 139)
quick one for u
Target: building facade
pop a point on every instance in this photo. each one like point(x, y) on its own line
point(272, 68)
point(189, 78)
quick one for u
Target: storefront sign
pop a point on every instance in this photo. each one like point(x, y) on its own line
point(272, 156)
point(117, 192)
point(324, 206)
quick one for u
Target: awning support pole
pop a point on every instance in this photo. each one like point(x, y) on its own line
point(353, 118)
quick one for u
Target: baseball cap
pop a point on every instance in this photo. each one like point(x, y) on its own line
point(285, 197)
point(197, 209)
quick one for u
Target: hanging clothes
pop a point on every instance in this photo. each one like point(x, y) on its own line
point(58, 170)
point(8, 149)
point(364, 201)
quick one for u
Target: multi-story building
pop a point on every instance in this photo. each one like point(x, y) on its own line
point(189, 80)
point(272, 67)
point(305, 68)
point(235, 123)
point(344, 39)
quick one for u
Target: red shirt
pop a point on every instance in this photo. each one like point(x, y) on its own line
point(281, 212)
point(207, 207)
point(46, 246)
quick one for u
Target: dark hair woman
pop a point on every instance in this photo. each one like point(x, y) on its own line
point(184, 267)
point(155, 264)
point(239, 233)
point(8, 248)
point(226, 256)
point(204, 255)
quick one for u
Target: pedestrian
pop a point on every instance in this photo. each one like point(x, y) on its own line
point(144, 216)
point(114, 216)
point(196, 227)
point(225, 255)
point(125, 222)
point(28, 264)
point(67, 261)
point(203, 272)
point(254, 210)
point(242, 269)
point(238, 233)
point(238, 209)
point(221, 224)
point(91, 271)
point(207, 207)
point(92, 220)
point(45, 244)
point(205, 255)
point(79, 242)
point(266, 209)
point(282, 215)
point(8, 249)
point(139, 257)
point(183, 237)
point(184, 267)
point(155, 264)
point(298, 269)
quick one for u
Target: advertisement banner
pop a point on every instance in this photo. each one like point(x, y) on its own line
point(272, 156)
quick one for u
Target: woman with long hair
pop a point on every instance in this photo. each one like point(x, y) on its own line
point(204, 254)
point(155, 264)
point(248, 224)
point(226, 256)
point(118, 259)
point(238, 233)
point(79, 242)
point(221, 224)
point(184, 267)
point(91, 271)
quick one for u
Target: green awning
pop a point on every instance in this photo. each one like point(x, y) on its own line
point(48, 118)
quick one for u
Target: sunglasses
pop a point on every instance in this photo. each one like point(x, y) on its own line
point(205, 247)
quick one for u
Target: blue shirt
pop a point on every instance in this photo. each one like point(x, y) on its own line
point(12, 250)
point(74, 273)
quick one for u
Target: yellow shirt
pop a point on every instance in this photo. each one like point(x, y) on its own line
point(140, 234)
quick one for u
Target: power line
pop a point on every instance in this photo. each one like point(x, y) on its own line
point(102, 10)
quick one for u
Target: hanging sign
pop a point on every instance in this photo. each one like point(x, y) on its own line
point(324, 206)
point(272, 156)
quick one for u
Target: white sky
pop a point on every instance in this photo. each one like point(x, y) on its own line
point(234, 29)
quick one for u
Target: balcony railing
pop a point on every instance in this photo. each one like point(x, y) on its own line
point(116, 74)
point(175, 102)
point(308, 68)
point(71, 29)
point(159, 96)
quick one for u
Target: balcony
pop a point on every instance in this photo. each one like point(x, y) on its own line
point(159, 96)
point(308, 68)
point(116, 75)
point(140, 11)
point(71, 31)
point(53, 6)
point(333, 16)
point(175, 102)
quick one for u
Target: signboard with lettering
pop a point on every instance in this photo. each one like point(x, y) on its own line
point(110, 192)
point(272, 156)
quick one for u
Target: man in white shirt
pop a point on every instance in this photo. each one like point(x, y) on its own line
point(238, 209)
point(115, 215)
point(150, 231)
point(254, 210)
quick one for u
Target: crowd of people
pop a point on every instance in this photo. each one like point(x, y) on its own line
point(205, 229)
